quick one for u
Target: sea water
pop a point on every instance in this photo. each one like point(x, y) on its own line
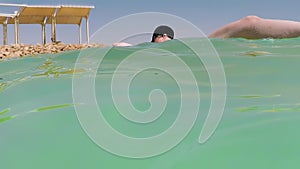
point(40, 128)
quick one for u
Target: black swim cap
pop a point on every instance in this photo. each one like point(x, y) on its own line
point(163, 30)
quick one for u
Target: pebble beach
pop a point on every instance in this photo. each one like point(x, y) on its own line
point(22, 50)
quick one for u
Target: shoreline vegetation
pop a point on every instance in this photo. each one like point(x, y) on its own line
point(22, 50)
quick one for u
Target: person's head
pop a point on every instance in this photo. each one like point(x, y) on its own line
point(162, 33)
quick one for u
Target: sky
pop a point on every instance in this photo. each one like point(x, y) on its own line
point(207, 15)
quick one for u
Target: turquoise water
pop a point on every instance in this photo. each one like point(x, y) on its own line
point(259, 129)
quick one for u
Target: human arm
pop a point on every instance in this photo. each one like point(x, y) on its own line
point(122, 44)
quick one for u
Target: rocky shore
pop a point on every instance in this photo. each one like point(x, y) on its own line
point(21, 50)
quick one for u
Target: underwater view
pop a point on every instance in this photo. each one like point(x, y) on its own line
point(41, 125)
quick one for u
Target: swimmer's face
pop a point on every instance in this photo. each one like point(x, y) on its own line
point(161, 38)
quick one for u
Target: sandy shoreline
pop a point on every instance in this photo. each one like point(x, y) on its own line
point(21, 50)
